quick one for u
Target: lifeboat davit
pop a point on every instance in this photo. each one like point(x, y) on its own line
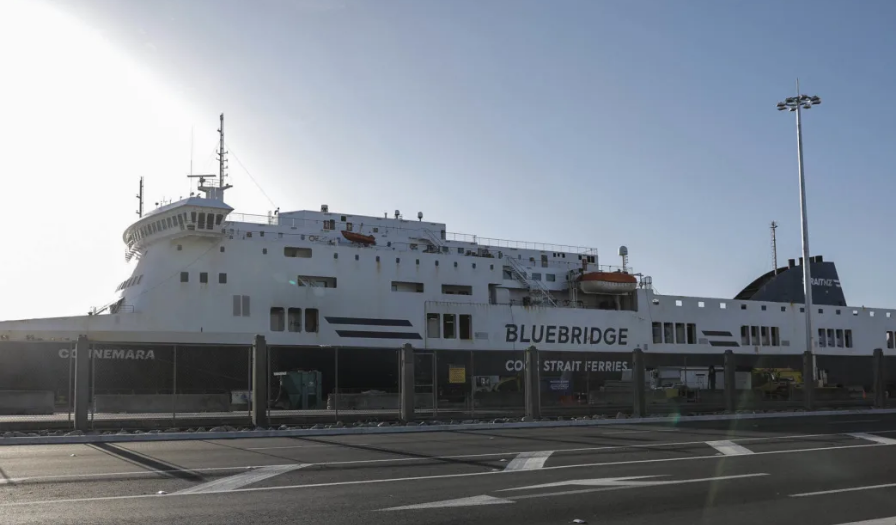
point(359, 238)
point(611, 283)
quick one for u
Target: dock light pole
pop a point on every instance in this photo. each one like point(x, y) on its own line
point(797, 104)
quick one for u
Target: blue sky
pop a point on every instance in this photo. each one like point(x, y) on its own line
point(597, 123)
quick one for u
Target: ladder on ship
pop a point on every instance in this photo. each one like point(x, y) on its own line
point(540, 293)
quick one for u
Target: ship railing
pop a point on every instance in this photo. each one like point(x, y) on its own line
point(518, 245)
point(272, 220)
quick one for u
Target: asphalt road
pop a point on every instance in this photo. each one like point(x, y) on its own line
point(824, 471)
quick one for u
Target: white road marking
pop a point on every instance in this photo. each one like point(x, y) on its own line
point(837, 491)
point(298, 446)
point(441, 476)
point(599, 482)
point(241, 480)
point(638, 485)
point(489, 500)
point(877, 439)
point(461, 502)
point(529, 460)
point(879, 521)
point(729, 448)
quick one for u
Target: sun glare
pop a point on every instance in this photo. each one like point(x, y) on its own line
point(80, 122)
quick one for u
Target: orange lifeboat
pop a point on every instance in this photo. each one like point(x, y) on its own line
point(612, 283)
point(359, 238)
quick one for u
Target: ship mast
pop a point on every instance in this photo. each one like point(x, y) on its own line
point(215, 191)
point(221, 155)
point(140, 199)
point(774, 226)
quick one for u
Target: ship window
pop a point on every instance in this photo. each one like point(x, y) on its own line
point(668, 333)
point(203, 277)
point(700, 304)
point(357, 257)
point(140, 278)
point(802, 309)
point(536, 276)
point(432, 326)
point(855, 312)
point(831, 337)
point(222, 278)
point(692, 333)
point(335, 255)
point(657, 333)
point(848, 334)
point(763, 308)
point(466, 326)
point(474, 266)
point(294, 320)
point(679, 333)
point(457, 289)
point(192, 216)
point(376, 230)
point(168, 220)
point(678, 302)
point(348, 226)
point(218, 219)
point(723, 306)
point(889, 339)
point(492, 267)
point(402, 286)
point(179, 247)
point(872, 314)
point(448, 326)
point(201, 220)
point(245, 301)
point(264, 251)
point(888, 315)
point(437, 263)
point(237, 305)
point(311, 318)
point(821, 310)
point(221, 249)
point(839, 337)
point(745, 335)
point(743, 307)
point(303, 253)
point(763, 331)
point(754, 335)
point(507, 273)
point(277, 319)
point(550, 277)
point(184, 277)
point(455, 264)
point(821, 338)
point(443, 234)
point(460, 251)
point(776, 336)
point(342, 219)
point(783, 308)
point(398, 260)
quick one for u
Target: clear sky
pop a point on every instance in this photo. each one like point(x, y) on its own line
point(597, 123)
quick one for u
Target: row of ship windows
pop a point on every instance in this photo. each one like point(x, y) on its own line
point(291, 319)
point(203, 277)
point(449, 326)
point(675, 333)
point(835, 338)
point(195, 220)
point(761, 336)
point(130, 282)
point(763, 307)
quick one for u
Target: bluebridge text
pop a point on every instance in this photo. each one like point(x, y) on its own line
point(574, 335)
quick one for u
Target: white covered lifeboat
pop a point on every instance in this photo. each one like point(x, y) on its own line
point(607, 283)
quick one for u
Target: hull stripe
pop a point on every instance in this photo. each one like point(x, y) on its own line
point(365, 321)
point(378, 335)
point(724, 343)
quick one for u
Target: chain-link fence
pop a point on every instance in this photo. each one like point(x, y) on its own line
point(144, 386)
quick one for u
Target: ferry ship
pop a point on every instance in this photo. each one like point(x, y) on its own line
point(206, 280)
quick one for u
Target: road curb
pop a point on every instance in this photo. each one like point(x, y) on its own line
point(395, 429)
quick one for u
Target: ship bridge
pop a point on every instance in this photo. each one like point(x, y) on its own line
point(186, 217)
